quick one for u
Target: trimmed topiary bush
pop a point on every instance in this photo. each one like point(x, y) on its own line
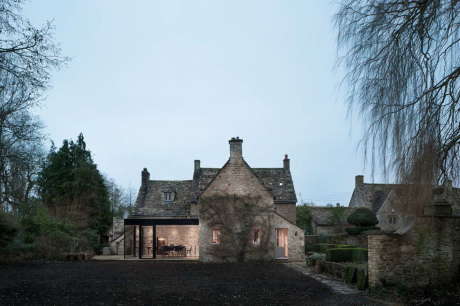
point(323, 247)
point(342, 246)
point(359, 255)
point(339, 255)
point(362, 217)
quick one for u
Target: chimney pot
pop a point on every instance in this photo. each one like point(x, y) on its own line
point(359, 180)
point(197, 164)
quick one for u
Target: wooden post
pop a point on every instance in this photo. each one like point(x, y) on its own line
point(141, 240)
point(154, 241)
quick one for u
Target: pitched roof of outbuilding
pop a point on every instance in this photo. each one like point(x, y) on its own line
point(324, 215)
point(373, 196)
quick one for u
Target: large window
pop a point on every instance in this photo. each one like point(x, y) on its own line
point(215, 236)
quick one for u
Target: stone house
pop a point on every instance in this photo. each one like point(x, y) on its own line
point(169, 217)
point(329, 220)
point(420, 239)
point(394, 206)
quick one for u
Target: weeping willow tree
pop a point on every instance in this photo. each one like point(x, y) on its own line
point(402, 66)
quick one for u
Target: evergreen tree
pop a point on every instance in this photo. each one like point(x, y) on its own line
point(73, 189)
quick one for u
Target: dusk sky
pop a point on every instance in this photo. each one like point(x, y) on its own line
point(157, 84)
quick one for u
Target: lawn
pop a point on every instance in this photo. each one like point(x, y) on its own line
point(163, 283)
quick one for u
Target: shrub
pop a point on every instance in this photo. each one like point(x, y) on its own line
point(350, 274)
point(323, 247)
point(347, 255)
point(342, 246)
point(310, 247)
point(312, 259)
point(362, 217)
point(361, 279)
point(359, 254)
point(359, 230)
point(353, 230)
point(339, 255)
point(8, 229)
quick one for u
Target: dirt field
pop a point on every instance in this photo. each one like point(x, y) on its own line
point(163, 283)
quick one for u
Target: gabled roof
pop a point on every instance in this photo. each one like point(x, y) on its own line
point(323, 215)
point(150, 200)
point(277, 181)
point(373, 196)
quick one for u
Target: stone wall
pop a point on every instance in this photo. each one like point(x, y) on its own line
point(428, 253)
point(287, 210)
point(356, 240)
point(296, 243)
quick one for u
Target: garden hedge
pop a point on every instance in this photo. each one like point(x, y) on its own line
point(359, 230)
point(346, 255)
point(361, 279)
point(350, 275)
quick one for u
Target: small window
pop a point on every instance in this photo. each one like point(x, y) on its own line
point(168, 196)
point(392, 219)
point(256, 238)
point(215, 236)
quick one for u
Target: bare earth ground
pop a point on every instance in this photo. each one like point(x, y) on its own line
point(163, 283)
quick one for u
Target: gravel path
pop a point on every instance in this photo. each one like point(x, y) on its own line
point(164, 283)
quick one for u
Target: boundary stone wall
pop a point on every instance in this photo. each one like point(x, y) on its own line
point(428, 254)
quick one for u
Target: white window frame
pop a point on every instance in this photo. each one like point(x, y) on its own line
point(216, 233)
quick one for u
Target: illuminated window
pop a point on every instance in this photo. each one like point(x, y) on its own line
point(256, 239)
point(215, 236)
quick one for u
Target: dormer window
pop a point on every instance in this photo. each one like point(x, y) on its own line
point(168, 196)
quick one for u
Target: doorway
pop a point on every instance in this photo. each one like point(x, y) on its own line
point(281, 250)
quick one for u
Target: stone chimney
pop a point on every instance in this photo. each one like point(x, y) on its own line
point(236, 148)
point(145, 177)
point(286, 163)
point(359, 180)
point(197, 165)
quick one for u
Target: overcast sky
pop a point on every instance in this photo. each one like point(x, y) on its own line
point(158, 84)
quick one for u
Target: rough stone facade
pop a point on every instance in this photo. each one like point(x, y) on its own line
point(237, 179)
point(429, 253)
point(296, 243)
point(394, 203)
point(273, 187)
point(287, 210)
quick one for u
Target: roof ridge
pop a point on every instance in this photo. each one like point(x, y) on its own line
point(175, 181)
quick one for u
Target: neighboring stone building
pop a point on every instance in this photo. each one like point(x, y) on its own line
point(420, 239)
point(328, 220)
point(397, 205)
point(167, 219)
